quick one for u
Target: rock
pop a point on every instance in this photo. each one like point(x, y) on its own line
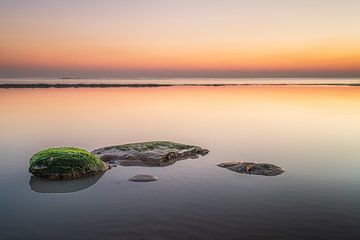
point(65, 163)
point(265, 169)
point(203, 151)
point(143, 178)
point(158, 153)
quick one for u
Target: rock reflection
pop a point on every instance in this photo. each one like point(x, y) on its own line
point(50, 186)
point(148, 163)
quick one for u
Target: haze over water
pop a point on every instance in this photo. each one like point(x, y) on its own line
point(311, 131)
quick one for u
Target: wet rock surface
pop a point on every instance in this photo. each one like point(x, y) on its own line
point(264, 169)
point(143, 178)
point(153, 154)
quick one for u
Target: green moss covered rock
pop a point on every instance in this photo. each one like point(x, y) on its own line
point(65, 163)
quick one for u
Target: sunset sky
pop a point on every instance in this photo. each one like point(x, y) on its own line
point(183, 38)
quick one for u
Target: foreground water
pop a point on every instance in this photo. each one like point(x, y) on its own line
point(312, 132)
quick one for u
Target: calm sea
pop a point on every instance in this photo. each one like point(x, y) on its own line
point(313, 132)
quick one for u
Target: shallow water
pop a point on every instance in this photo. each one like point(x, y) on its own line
point(312, 132)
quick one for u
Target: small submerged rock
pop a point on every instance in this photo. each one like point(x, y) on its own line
point(264, 169)
point(65, 163)
point(154, 154)
point(143, 178)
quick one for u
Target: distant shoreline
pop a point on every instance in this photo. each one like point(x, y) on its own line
point(152, 85)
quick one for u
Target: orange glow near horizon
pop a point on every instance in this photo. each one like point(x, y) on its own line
point(307, 59)
point(242, 37)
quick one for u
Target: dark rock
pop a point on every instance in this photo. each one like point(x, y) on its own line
point(265, 169)
point(143, 178)
point(156, 154)
point(203, 152)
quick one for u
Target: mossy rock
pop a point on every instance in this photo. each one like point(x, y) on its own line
point(148, 146)
point(65, 163)
point(155, 153)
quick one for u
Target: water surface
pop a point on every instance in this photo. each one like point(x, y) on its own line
point(312, 132)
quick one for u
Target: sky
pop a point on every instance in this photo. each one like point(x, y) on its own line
point(183, 38)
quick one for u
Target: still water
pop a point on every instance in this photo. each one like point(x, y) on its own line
point(312, 132)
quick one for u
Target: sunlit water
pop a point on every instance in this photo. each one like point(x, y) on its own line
point(186, 80)
point(312, 132)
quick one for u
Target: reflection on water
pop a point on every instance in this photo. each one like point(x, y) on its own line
point(312, 132)
point(155, 163)
point(187, 81)
point(66, 186)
